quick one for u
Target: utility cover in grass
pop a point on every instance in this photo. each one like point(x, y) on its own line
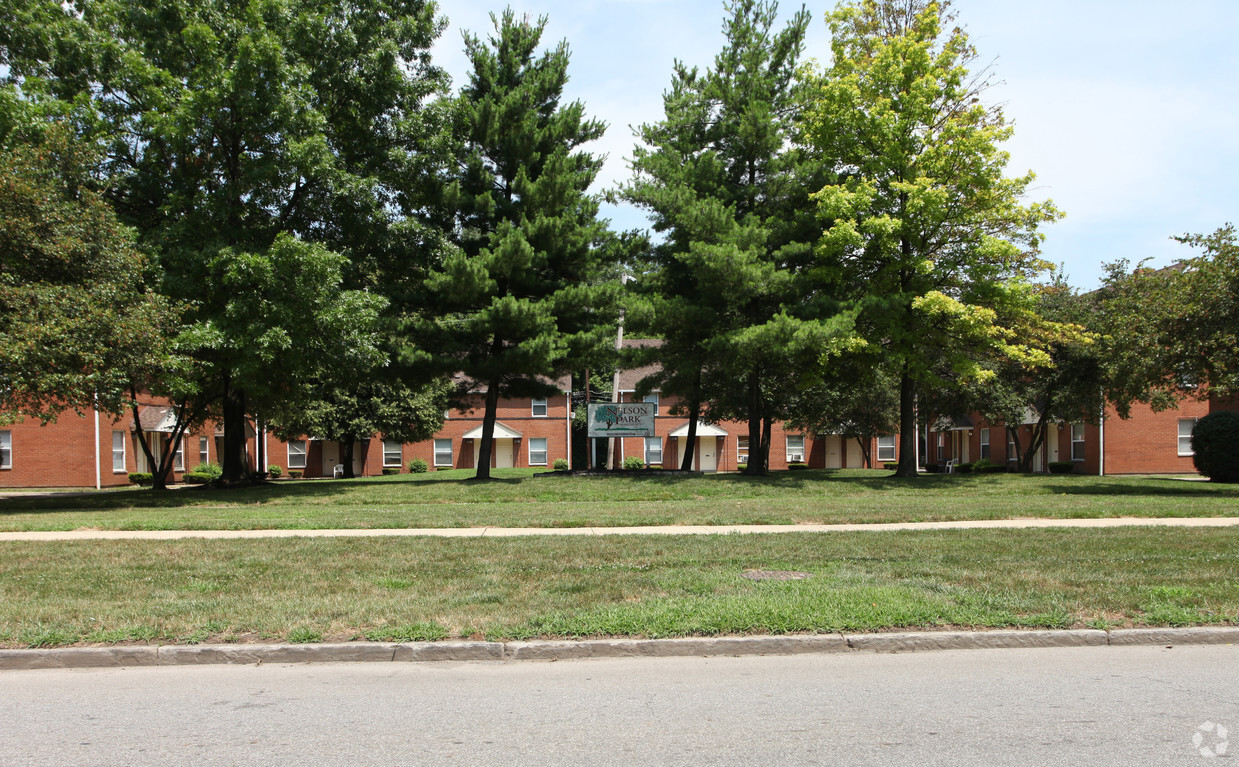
point(774, 575)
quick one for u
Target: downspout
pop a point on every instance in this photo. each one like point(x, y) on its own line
point(1101, 443)
point(98, 468)
point(568, 423)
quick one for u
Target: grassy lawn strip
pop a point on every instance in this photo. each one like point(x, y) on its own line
point(518, 499)
point(409, 589)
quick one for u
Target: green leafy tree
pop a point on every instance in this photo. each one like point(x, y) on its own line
point(727, 187)
point(520, 300)
point(76, 323)
point(929, 233)
point(858, 399)
point(255, 147)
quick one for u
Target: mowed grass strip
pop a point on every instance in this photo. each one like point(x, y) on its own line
point(400, 589)
point(519, 499)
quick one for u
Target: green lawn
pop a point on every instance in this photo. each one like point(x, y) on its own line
point(309, 589)
point(519, 499)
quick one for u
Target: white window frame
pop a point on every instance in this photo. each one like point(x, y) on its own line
point(1185, 440)
point(440, 449)
point(985, 449)
point(794, 454)
point(297, 449)
point(388, 451)
point(539, 403)
point(537, 451)
point(652, 398)
point(204, 449)
point(654, 450)
point(887, 452)
point(941, 447)
point(1012, 456)
point(118, 455)
point(178, 455)
point(6, 449)
point(742, 450)
point(1077, 438)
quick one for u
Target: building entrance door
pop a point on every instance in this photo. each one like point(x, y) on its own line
point(707, 453)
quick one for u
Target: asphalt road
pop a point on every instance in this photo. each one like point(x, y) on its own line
point(1063, 706)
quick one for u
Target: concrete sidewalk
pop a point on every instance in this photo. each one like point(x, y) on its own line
point(509, 532)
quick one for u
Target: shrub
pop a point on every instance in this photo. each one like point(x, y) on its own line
point(294, 474)
point(796, 466)
point(418, 466)
point(275, 471)
point(198, 478)
point(986, 466)
point(212, 470)
point(1062, 467)
point(141, 478)
point(890, 466)
point(632, 463)
point(932, 468)
point(1215, 446)
point(561, 464)
point(963, 468)
point(390, 470)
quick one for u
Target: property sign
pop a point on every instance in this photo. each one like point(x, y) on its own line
point(621, 419)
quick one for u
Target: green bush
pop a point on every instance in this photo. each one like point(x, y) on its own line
point(275, 471)
point(197, 478)
point(963, 468)
point(1215, 446)
point(890, 465)
point(561, 464)
point(797, 466)
point(294, 474)
point(986, 466)
point(418, 466)
point(1062, 467)
point(390, 470)
point(632, 463)
point(212, 470)
point(932, 468)
point(141, 478)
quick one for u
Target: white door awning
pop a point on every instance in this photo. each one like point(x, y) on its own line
point(501, 432)
point(703, 430)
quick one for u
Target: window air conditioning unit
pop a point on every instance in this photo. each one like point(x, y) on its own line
point(795, 458)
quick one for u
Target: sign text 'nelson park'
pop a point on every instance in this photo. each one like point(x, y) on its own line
point(621, 419)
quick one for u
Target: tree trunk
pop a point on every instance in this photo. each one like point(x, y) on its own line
point(233, 459)
point(864, 452)
point(488, 429)
point(757, 459)
point(694, 415)
point(907, 425)
point(765, 441)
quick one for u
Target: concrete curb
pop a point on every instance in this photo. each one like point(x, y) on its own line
point(429, 652)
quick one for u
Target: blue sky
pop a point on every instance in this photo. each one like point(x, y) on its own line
point(1127, 111)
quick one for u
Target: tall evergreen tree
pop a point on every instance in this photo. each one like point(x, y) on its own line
point(727, 187)
point(519, 301)
point(927, 231)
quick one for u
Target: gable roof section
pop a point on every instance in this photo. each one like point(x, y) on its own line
point(628, 379)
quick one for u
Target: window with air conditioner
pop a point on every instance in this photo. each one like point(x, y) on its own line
point(795, 448)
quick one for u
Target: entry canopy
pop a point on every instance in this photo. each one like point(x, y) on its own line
point(703, 430)
point(501, 432)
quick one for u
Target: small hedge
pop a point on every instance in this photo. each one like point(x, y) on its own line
point(986, 466)
point(890, 465)
point(418, 466)
point(797, 466)
point(141, 478)
point(561, 464)
point(1215, 446)
point(963, 468)
point(390, 470)
point(294, 474)
point(633, 463)
point(198, 478)
point(1062, 467)
point(932, 468)
point(274, 471)
point(212, 470)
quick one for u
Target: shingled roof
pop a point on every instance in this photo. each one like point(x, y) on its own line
point(628, 378)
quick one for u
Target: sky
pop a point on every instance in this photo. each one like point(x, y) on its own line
point(1127, 110)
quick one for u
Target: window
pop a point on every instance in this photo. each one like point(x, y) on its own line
point(653, 400)
point(178, 458)
point(941, 448)
point(118, 452)
point(204, 453)
point(985, 444)
point(6, 449)
point(539, 406)
point(537, 451)
point(654, 451)
point(1077, 442)
point(742, 450)
point(886, 447)
point(443, 452)
point(795, 448)
point(296, 454)
point(1185, 435)
point(1011, 456)
point(391, 452)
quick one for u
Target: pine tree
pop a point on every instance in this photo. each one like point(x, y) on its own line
point(521, 298)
